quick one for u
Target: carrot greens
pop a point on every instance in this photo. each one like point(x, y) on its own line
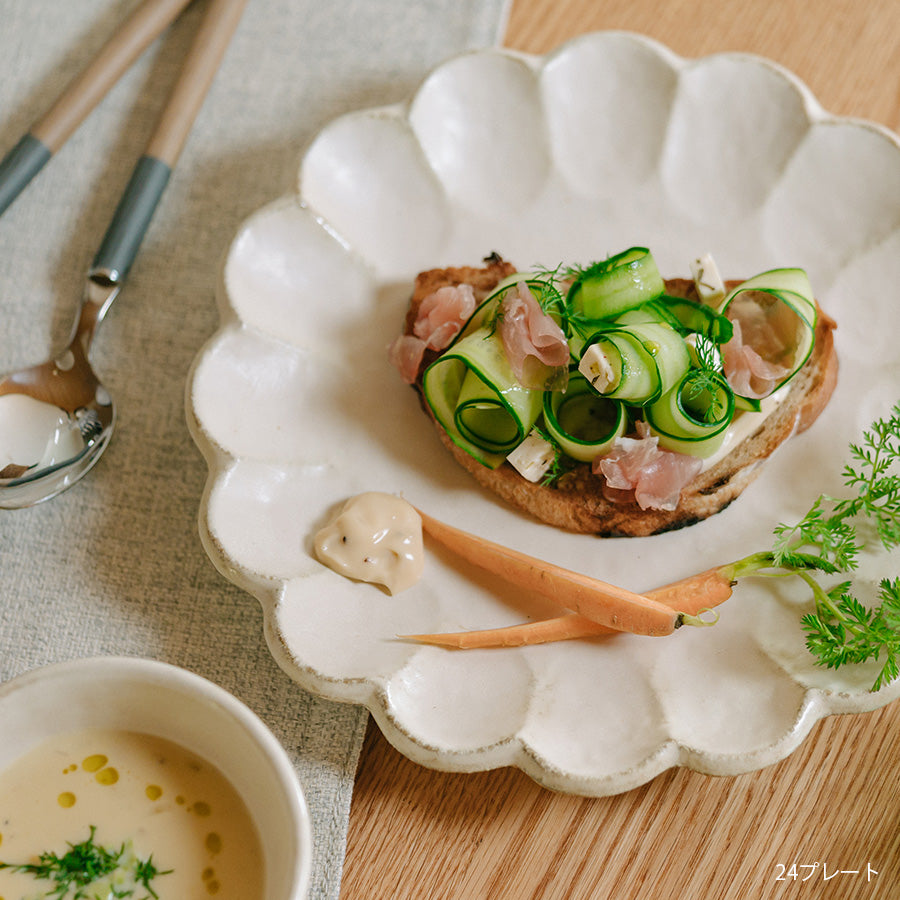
point(841, 629)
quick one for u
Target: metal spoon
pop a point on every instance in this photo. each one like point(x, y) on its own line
point(67, 383)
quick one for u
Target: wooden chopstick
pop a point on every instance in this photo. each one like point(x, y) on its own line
point(198, 70)
point(85, 91)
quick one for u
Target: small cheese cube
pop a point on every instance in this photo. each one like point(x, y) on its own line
point(533, 457)
point(707, 280)
point(596, 367)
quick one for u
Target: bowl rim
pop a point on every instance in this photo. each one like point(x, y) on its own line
point(197, 686)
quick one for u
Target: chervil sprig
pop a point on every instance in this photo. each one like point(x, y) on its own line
point(823, 539)
point(878, 488)
point(842, 630)
point(76, 873)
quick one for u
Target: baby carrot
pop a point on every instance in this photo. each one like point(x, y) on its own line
point(692, 595)
point(544, 631)
point(602, 603)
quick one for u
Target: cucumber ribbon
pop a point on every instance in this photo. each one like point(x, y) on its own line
point(778, 303)
point(635, 351)
point(474, 395)
point(583, 424)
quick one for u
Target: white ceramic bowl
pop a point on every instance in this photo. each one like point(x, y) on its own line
point(168, 702)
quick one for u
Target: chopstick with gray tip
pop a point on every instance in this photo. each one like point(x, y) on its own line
point(82, 94)
point(151, 173)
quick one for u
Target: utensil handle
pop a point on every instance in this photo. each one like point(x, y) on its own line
point(130, 221)
point(82, 94)
point(117, 54)
point(200, 67)
point(151, 174)
point(19, 166)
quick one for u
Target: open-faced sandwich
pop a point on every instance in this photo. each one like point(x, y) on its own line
point(606, 400)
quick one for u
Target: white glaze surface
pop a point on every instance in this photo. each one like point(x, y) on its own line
point(610, 141)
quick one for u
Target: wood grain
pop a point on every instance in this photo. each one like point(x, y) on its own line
point(833, 806)
point(846, 51)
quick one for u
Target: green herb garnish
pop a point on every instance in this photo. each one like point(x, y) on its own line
point(842, 630)
point(561, 463)
point(75, 874)
point(705, 381)
point(578, 272)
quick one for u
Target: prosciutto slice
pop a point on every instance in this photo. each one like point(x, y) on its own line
point(439, 318)
point(405, 354)
point(749, 357)
point(747, 372)
point(637, 466)
point(442, 314)
point(535, 345)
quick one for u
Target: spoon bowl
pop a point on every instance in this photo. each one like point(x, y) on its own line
point(33, 486)
point(57, 417)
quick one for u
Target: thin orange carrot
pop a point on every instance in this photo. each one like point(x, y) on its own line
point(605, 604)
point(544, 631)
point(692, 595)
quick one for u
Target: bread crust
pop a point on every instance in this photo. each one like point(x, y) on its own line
point(576, 502)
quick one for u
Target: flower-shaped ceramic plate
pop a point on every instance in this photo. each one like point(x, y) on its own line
point(609, 142)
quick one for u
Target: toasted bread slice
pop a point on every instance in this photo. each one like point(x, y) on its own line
point(576, 502)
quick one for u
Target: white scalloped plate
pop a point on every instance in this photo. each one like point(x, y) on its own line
point(610, 141)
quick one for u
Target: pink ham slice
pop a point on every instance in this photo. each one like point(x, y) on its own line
point(746, 371)
point(535, 345)
point(405, 354)
point(442, 314)
point(439, 318)
point(758, 340)
point(638, 467)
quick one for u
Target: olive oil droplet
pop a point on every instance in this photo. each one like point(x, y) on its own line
point(214, 842)
point(94, 763)
point(66, 799)
point(107, 776)
point(153, 792)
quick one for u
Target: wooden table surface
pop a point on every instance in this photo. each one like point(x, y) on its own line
point(830, 809)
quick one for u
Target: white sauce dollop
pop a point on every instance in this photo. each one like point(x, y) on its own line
point(376, 538)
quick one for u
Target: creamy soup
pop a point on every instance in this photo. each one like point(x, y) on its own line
point(171, 821)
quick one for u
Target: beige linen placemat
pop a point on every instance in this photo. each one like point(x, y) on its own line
point(115, 566)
